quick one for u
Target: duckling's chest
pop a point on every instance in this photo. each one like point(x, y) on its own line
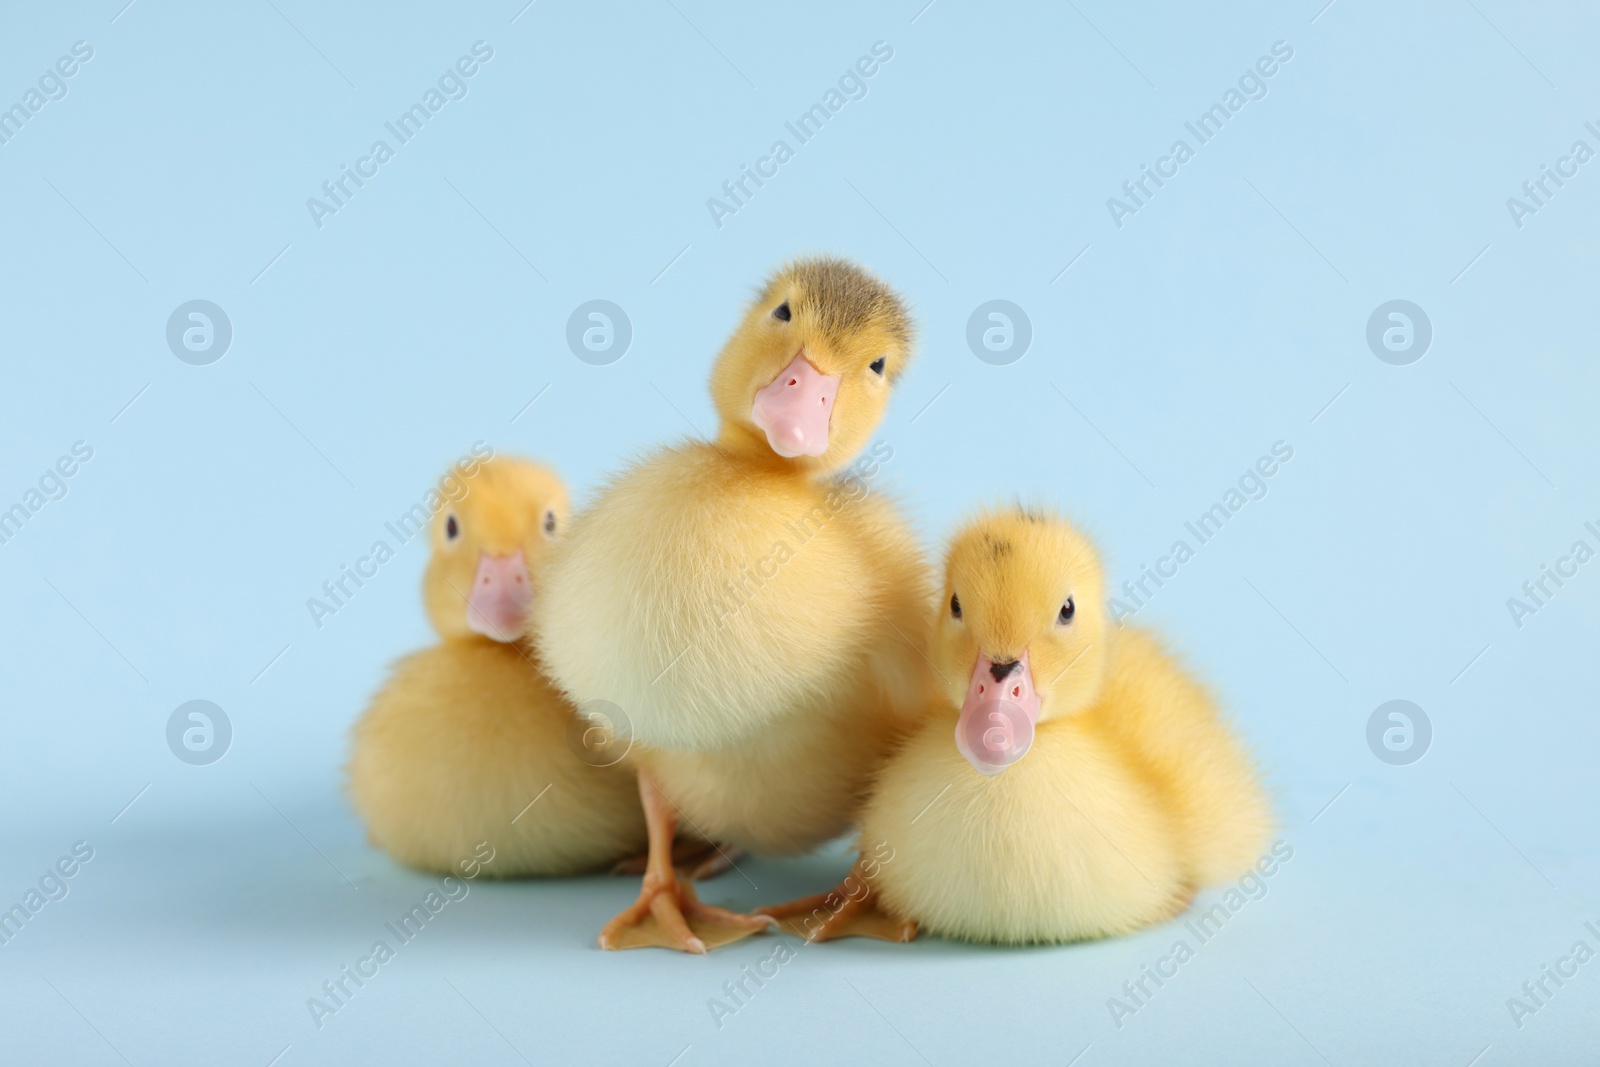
point(711, 598)
point(1064, 844)
point(725, 535)
point(733, 557)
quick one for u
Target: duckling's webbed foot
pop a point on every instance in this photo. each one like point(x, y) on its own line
point(671, 916)
point(668, 914)
point(851, 909)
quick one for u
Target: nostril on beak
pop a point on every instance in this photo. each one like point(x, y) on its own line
point(1000, 670)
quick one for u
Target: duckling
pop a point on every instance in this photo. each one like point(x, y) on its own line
point(751, 603)
point(467, 742)
point(1133, 791)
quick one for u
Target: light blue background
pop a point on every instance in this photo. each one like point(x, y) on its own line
point(1223, 317)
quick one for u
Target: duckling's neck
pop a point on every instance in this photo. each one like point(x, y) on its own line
point(748, 448)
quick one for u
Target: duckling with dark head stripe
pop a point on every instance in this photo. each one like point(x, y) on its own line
point(756, 609)
point(1072, 782)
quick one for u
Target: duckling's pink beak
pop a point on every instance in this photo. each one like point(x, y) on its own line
point(498, 603)
point(794, 408)
point(996, 725)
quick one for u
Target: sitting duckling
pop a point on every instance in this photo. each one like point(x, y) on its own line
point(467, 742)
point(1132, 793)
point(751, 606)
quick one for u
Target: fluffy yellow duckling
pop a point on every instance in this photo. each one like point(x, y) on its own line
point(1075, 782)
point(467, 742)
point(751, 604)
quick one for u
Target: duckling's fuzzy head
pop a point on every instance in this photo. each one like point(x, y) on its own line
point(808, 373)
point(1023, 623)
point(498, 521)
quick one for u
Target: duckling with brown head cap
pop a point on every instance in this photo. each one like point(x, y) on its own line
point(752, 604)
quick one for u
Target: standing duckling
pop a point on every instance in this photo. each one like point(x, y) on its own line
point(466, 736)
point(1133, 792)
point(749, 604)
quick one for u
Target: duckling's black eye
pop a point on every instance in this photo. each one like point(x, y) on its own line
point(877, 365)
point(452, 529)
point(1068, 610)
point(550, 523)
point(955, 606)
point(781, 312)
